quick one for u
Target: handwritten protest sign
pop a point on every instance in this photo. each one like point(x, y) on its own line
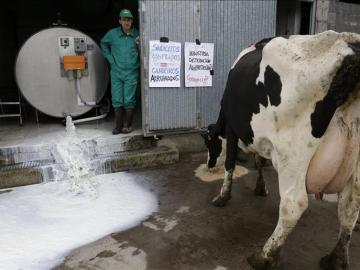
point(198, 64)
point(164, 64)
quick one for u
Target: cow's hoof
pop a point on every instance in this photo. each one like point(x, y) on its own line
point(220, 201)
point(260, 190)
point(326, 264)
point(258, 262)
point(331, 262)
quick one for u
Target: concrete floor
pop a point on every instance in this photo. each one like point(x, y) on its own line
point(189, 233)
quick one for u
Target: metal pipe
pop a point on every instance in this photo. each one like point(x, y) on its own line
point(78, 87)
point(90, 118)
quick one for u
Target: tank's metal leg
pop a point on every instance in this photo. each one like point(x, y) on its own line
point(37, 118)
point(20, 111)
point(97, 120)
point(1, 107)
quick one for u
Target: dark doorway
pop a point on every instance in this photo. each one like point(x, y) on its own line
point(305, 18)
point(294, 17)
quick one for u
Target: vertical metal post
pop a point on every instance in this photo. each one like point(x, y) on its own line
point(143, 67)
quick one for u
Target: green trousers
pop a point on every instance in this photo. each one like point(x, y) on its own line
point(123, 88)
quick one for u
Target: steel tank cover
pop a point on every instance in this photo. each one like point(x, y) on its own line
point(39, 77)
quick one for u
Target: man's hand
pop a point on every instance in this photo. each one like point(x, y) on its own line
point(137, 40)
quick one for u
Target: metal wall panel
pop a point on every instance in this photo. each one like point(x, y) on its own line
point(168, 108)
point(231, 25)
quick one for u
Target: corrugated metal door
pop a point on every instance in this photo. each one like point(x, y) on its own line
point(231, 25)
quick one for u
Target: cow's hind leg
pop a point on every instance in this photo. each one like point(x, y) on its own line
point(348, 211)
point(260, 189)
point(231, 152)
point(293, 203)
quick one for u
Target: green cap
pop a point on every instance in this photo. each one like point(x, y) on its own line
point(125, 13)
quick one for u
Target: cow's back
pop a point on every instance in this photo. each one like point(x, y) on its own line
point(284, 95)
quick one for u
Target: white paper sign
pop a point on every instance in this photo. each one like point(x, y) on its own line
point(164, 64)
point(198, 64)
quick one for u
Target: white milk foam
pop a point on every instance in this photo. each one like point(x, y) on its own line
point(40, 224)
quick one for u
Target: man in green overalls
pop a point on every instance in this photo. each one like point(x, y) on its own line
point(120, 47)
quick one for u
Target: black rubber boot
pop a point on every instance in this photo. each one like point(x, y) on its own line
point(129, 113)
point(118, 120)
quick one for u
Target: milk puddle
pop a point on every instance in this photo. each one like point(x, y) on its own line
point(41, 224)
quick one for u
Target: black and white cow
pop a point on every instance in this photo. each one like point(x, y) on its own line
point(215, 141)
point(296, 101)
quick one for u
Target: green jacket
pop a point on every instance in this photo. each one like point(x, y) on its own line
point(120, 49)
